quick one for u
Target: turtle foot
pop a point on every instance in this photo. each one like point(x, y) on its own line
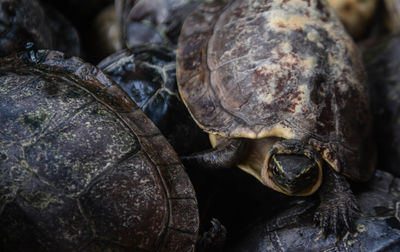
point(336, 215)
point(224, 156)
point(214, 239)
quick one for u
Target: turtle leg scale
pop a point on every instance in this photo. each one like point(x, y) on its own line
point(224, 156)
point(338, 206)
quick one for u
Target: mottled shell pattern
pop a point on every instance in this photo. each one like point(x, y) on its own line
point(277, 68)
point(84, 164)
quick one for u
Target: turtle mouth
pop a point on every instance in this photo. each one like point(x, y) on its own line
point(292, 172)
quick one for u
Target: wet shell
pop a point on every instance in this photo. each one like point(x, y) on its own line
point(148, 75)
point(277, 68)
point(82, 168)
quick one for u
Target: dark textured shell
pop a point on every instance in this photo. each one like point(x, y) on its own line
point(148, 75)
point(277, 68)
point(28, 21)
point(82, 168)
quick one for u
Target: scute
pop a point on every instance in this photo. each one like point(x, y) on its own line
point(75, 150)
point(277, 68)
point(147, 74)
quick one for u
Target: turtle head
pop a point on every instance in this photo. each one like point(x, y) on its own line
point(293, 168)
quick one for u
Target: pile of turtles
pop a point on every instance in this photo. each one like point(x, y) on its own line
point(124, 123)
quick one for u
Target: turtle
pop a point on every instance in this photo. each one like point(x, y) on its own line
point(147, 75)
point(30, 21)
point(376, 230)
point(281, 89)
point(81, 166)
point(156, 21)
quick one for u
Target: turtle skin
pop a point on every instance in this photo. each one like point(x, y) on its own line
point(258, 70)
point(81, 167)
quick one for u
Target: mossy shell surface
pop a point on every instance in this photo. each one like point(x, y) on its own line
point(276, 68)
point(82, 168)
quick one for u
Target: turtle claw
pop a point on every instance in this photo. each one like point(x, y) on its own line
point(336, 216)
point(338, 207)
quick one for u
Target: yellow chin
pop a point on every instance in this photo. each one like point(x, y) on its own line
point(256, 162)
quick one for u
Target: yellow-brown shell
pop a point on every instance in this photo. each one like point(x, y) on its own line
point(392, 15)
point(355, 14)
point(277, 68)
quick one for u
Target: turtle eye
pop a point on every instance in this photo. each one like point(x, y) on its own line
point(275, 167)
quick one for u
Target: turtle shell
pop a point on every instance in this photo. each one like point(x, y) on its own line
point(392, 15)
point(153, 21)
point(82, 168)
point(29, 21)
point(147, 75)
point(277, 69)
point(355, 15)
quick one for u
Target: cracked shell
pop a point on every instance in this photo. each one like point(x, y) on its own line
point(82, 168)
point(275, 68)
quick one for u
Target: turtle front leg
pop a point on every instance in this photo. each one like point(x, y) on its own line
point(225, 155)
point(338, 206)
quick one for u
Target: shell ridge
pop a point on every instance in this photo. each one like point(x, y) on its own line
point(162, 236)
